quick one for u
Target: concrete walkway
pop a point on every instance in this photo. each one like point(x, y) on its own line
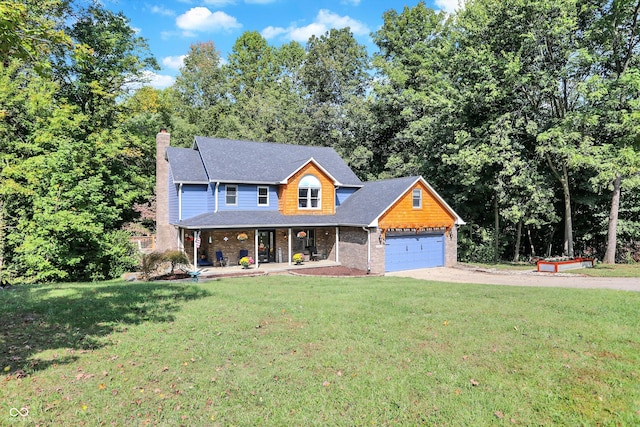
point(520, 278)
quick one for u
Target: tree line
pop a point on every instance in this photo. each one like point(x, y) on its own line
point(522, 114)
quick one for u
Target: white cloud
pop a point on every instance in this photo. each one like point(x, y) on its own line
point(174, 62)
point(449, 6)
point(325, 20)
point(152, 79)
point(202, 19)
point(351, 2)
point(334, 20)
point(271, 32)
point(161, 10)
point(160, 81)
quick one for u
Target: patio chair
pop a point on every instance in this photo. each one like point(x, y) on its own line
point(220, 258)
point(314, 255)
point(243, 253)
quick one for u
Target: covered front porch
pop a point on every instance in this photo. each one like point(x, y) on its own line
point(265, 246)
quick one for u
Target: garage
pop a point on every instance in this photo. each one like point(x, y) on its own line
point(409, 252)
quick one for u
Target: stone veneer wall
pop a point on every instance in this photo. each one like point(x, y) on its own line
point(166, 234)
point(451, 247)
point(325, 238)
point(353, 250)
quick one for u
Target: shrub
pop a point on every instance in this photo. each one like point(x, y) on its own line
point(152, 261)
point(175, 258)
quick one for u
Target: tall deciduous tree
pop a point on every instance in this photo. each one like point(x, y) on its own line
point(335, 75)
point(610, 33)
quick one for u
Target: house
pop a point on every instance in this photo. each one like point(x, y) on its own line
point(274, 200)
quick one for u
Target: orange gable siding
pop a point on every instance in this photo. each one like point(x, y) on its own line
point(288, 193)
point(403, 215)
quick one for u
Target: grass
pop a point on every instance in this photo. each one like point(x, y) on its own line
point(281, 350)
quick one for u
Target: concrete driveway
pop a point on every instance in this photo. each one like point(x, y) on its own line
point(519, 278)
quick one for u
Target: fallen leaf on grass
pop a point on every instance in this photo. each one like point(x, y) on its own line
point(326, 384)
point(474, 382)
point(499, 414)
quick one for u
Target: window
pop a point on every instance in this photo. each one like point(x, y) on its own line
point(417, 198)
point(232, 195)
point(263, 196)
point(309, 192)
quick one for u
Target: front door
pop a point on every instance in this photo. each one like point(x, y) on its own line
point(266, 246)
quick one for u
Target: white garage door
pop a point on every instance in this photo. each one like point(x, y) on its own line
point(415, 251)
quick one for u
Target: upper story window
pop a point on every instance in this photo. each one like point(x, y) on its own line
point(231, 195)
point(309, 192)
point(417, 198)
point(263, 196)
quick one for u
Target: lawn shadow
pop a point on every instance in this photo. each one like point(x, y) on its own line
point(74, 317)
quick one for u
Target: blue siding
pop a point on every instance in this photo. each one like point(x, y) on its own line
point(247, 198)
point(194, 200)
point(211, 198)
point(343, 193)
point(173, 199)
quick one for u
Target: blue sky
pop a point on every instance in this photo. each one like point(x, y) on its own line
point(171, 26)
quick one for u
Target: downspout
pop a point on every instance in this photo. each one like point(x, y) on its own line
point(368, 248)
point(338, 244)
point(215, 196)
point(180, 203)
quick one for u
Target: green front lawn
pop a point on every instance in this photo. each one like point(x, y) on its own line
point(284, 350)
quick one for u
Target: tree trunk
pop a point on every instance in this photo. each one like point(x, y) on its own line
point(568, 223)
point(533, 250)
point(612, 232)
point(496, 214)
point(516, 252)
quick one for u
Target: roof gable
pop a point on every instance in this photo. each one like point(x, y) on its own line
point(227, 160)
point(186, 166)
point(376, 198)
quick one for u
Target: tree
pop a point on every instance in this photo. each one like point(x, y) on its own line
point(335, 76)
point(29, 30)
point(612, 93)
point(107, 60)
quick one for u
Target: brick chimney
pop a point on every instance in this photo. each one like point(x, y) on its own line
point(166, 234)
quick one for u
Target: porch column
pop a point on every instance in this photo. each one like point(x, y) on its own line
point(196, 237)
point(289, 246)
point(255, 248)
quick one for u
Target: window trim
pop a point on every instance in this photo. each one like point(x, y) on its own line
point(226, 194)
point(308, 194)
point(266, 196)
point(417, 191)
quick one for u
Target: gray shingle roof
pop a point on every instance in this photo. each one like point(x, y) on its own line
point(229, 160)
point(186, 166)
point(369, 202)
point(255, 219)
